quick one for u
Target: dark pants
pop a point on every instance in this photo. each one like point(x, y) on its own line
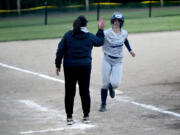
point(73, 75)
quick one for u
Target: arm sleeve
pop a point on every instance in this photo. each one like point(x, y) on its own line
point(60, 52)
point(98, 40)
point(127, 45)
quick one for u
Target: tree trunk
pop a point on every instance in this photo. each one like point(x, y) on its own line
point(162, 3)
point(87, 5)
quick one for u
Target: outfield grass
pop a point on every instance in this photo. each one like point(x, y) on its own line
point(28, 28)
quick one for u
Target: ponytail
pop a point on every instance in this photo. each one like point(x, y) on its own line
point(81, 21)
point(76, 26)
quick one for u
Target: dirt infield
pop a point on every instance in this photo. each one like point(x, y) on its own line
point(147, 102)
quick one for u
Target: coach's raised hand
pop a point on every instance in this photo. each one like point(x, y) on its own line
point(101, 24)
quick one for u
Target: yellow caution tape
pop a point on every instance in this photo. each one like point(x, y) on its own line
point(76, 6)
point(106, 3)
point(94, 4)
point(153, 1)
point(28, 9)
point(147, 2)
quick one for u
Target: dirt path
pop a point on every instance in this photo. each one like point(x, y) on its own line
point(32, 97)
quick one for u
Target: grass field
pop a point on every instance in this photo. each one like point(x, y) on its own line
point(32, 27)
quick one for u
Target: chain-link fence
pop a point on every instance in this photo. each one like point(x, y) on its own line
point(25, 7)
point(26, 19)
point(36, 12)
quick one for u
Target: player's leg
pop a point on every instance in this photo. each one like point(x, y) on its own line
point(116, 76)
point(106, 72)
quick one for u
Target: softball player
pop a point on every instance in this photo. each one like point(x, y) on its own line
point(115, 38)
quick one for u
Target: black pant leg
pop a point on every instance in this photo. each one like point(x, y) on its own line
point(84, 82)
point(70, 89)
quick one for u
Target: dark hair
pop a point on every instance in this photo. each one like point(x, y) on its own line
point(81, 21)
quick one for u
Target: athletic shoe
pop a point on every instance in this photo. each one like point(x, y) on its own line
point(111, 91)
point(86, 120)
point(70, 121)
point(102, 108)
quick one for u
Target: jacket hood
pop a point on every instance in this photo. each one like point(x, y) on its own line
point(81, 35)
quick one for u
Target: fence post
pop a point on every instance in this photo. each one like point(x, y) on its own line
point(98, 9)
point(45, 12)
point(36, 3)
point(150, 6)
point(8, 6)
point(19, 7)
point(162, 3)
point(87, 5)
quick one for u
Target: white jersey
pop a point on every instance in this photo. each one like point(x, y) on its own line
point(113, 43)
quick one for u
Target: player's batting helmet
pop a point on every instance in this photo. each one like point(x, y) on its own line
point(119, 16)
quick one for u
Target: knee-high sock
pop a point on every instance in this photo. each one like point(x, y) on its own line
point(104, 93)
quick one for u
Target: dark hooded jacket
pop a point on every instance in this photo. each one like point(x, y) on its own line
point(76, 49)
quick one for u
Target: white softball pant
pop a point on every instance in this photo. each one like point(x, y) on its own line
point(111, 73)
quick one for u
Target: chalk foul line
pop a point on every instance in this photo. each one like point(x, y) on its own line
point(32, 73)
point(76, 126)
point(149, 107)
point(34, 105)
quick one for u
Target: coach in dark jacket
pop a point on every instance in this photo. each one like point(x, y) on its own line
point(75, 50)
